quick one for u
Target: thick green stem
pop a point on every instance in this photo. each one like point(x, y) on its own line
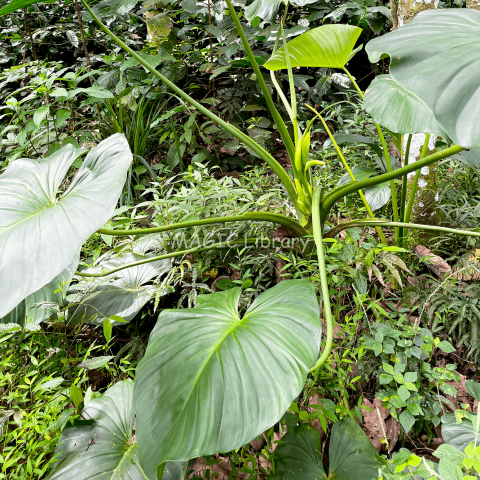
point(262, 153)
point(282, 128)
point(385, 153)
point(347, 168)
point(413, 191)
point(272, 73)
point(385, 223)
point(327, 309)
point(180, 253)
point(404, 188)
point(293, 96)
point(333, 197)
point(291, 224)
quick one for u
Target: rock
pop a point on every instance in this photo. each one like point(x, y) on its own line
point(437, 264)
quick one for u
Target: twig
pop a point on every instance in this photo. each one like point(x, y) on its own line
point(27, 27)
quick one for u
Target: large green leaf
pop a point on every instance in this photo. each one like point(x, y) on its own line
point(436, 57)
point(268, 9)
point(16, 5)
point(42, 228)
point(27, 311)
point(392, 106)
point(107, 449)
point(459, 433)
point(123, 293)
point(350, 455)
point(299, 456)
point(211, 381)
point(328, 46)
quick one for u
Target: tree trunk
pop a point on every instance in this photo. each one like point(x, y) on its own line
point(425, 204)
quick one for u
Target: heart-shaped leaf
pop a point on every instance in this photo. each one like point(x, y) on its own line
point(211, 381)
point(121, 294)
point(395, 108)
point(107, 449)
point(328, 46)
point(350, 455)
point(29, 311)
point(299, 455)
point(436, 57)
point(42, 228)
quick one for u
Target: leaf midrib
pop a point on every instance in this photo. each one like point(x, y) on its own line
point(238, 322)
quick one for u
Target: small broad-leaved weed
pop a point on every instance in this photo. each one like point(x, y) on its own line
point(408, 385)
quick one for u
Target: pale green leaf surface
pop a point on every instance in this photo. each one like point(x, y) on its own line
point(41, 228)
point(360, 173)
point(29, 311)
point(16, 5)
point(268, 9)
point(121, 294)
point(436, 57)
point(112, 453)
point(378, 195)
point(393, 107)
point(211, 381)
point(298, 456)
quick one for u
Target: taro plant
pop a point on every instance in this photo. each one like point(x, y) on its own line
point(212, 380)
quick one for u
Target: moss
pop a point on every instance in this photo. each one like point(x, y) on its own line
point(407, 9)
point(425, 206)
point(159, 25)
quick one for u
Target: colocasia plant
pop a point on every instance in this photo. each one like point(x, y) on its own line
point(211, 379)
